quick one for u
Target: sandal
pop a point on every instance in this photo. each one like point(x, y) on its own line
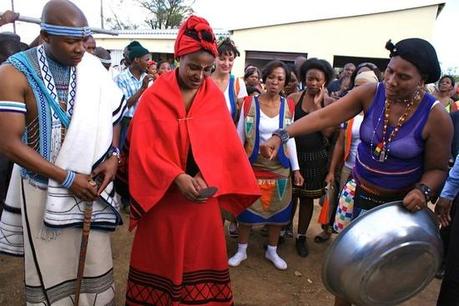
point(320, 238)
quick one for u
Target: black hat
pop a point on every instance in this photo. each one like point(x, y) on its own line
point(420, 53)
point(9, 36)
point(134, 43)
point(135, 49)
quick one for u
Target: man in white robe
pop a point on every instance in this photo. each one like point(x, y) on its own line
point(59, 114)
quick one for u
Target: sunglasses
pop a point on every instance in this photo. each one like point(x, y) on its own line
point(367, 64)
point(226, 40)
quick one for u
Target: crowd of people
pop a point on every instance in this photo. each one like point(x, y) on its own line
point(188, 150)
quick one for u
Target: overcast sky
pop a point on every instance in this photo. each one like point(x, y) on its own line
point(224, 14)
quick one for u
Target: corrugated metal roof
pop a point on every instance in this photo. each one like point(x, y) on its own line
point(158, 34)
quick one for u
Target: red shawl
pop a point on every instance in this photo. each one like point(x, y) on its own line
point(159, 138)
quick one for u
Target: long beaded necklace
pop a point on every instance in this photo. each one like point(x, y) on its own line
point(380, 152)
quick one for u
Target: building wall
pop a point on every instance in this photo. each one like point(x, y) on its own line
point(361, 36)
point(165, 45)
point(116, 55)
point(156, 41)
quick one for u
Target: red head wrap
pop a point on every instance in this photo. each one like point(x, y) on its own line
point(195, 34)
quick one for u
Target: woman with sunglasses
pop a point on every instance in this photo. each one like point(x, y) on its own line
point(405, 134)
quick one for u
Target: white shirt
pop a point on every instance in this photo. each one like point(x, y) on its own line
point(350, 162)
point(267, 126)
point(242, 92)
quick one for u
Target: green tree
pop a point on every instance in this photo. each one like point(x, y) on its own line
point(117, 21)
point(454, 72)
point(167, 14)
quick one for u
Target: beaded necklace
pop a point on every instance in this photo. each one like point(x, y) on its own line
point(380, 152)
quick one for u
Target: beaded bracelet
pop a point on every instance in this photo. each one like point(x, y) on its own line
point(67, 183)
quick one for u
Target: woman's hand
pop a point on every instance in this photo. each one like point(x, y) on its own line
point(270, 148)
point(190, 186)
point(443, 211)
point(414, 200)
point(330, 178)
point(199, 182)
point(105, 171)
point(319, 97)
point(146, 80)
point(84, 188)
point(298, 179)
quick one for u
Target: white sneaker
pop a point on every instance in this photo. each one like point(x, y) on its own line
point(237, 259)
point(278, 262)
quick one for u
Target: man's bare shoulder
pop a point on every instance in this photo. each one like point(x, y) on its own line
point(13, 83)
point(8, 71)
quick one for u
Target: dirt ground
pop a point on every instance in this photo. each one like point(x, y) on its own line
point(255, 282)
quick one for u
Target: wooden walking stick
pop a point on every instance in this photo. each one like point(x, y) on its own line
point(83, 248)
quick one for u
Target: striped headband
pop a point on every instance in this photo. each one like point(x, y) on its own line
point(105, 61)
point(58, 30)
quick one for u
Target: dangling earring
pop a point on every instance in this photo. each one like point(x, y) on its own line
point(418, 92)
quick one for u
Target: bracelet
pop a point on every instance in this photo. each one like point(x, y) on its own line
point(114, 151)
point(282, 134)
point(426, 191)
point(69, 179)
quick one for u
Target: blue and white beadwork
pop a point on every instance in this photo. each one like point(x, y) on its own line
point(58, 30)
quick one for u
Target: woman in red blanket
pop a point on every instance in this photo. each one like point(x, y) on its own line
point(182, 141)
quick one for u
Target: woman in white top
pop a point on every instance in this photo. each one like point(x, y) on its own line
point(349, 138)
point(260, 117)
point(346, 146)
point(233, 89)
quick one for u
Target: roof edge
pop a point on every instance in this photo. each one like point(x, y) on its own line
point(440, 4)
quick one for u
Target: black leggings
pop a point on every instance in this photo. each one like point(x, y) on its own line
point(449, 292)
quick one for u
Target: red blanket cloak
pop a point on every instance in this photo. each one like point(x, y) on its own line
point(161, 134)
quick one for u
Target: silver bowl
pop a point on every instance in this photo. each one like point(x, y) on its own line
point(384, 257)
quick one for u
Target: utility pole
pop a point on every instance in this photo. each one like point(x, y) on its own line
point(14, 23)
point(101, 13)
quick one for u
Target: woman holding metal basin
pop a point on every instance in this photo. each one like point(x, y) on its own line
point(405, 134)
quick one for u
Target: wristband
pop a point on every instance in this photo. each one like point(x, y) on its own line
point(282, 134)
point(426, 191)
point(69, 179)
point(114, 151)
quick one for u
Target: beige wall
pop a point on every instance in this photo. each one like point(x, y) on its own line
point(363, 36)
point(153, 45)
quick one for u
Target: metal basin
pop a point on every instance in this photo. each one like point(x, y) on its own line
point(384, 257)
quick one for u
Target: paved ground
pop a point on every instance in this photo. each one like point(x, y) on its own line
point(255, 282)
